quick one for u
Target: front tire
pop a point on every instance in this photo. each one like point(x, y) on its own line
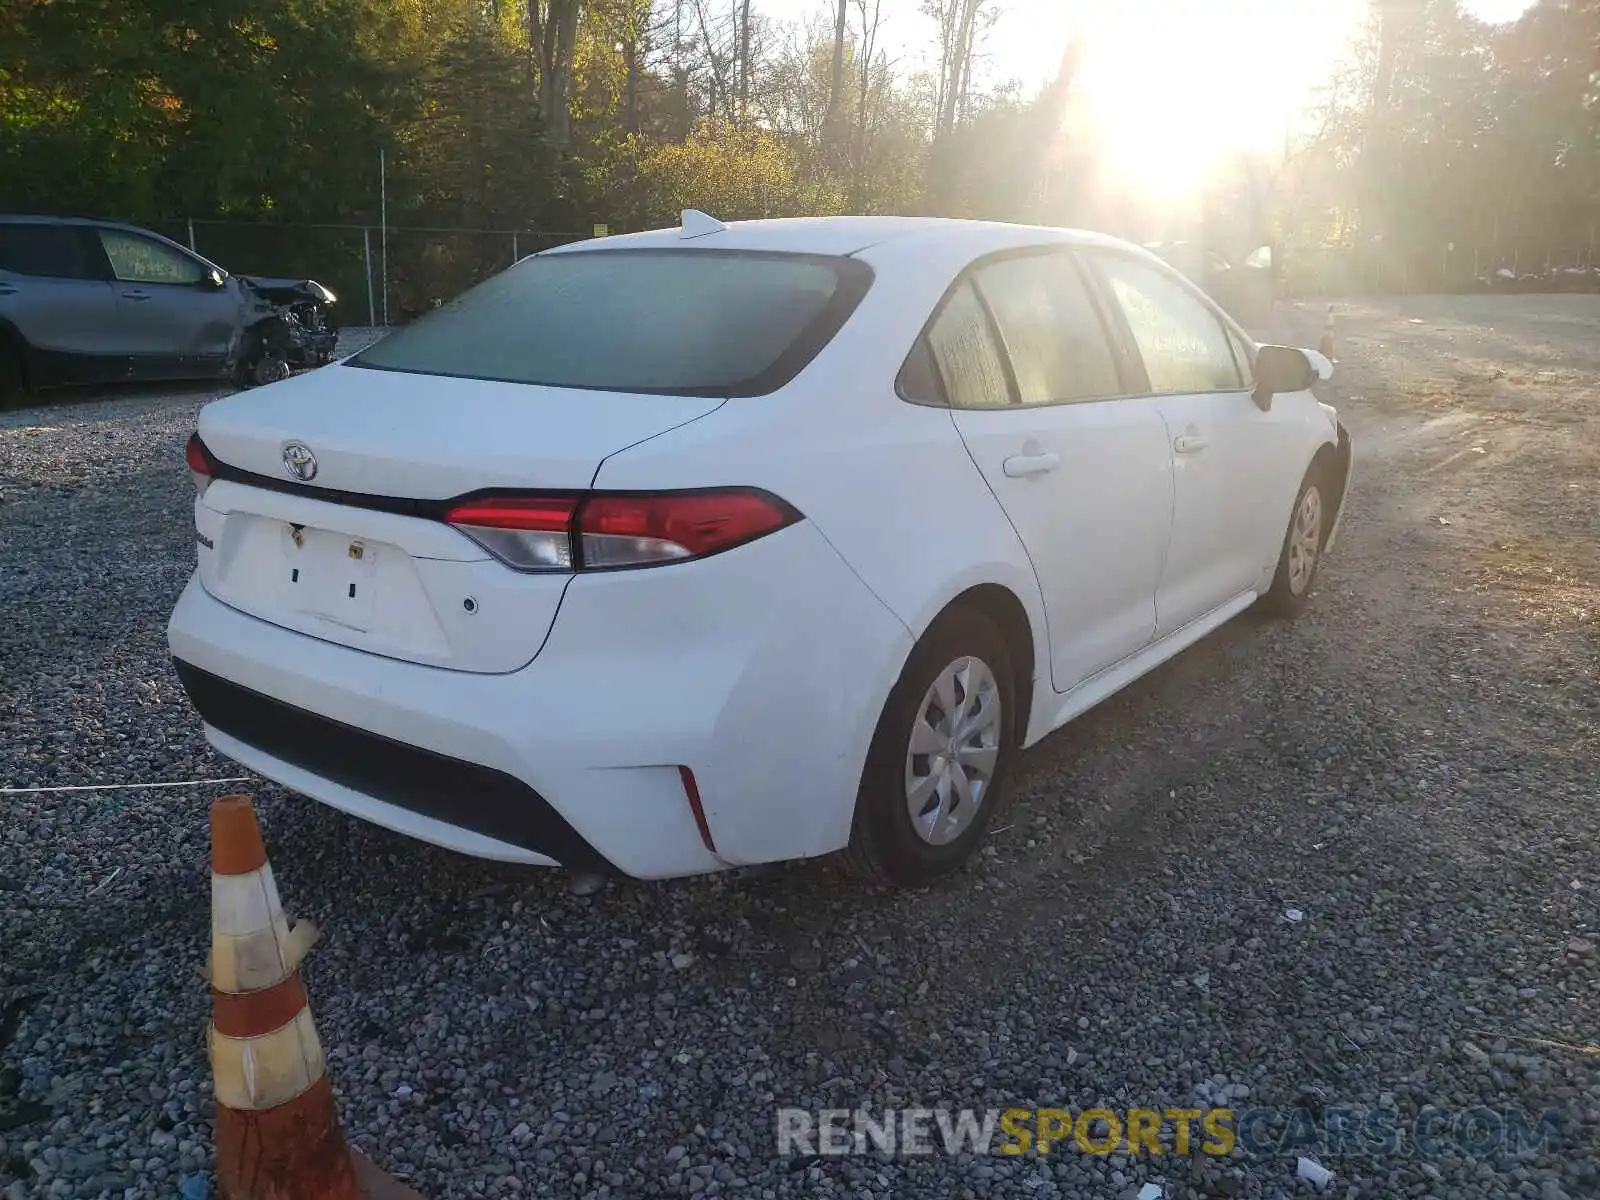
point(260, 368)
point(1301, 554)
point(939, 756)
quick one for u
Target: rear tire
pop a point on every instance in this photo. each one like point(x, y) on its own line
point(939, 757)
point(1300, 557)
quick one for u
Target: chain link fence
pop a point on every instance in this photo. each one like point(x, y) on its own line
point(381, 277)
point(382, 280)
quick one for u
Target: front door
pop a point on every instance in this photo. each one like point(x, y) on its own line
point(173, 319)
point(1219, 439)
point(1083, 475)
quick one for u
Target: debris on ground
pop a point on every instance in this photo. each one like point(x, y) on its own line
point(1442, 887)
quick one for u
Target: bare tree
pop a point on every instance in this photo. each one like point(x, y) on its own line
point(959, 24)
point(552, 35)
point(717, 55)
point(836, 76)
point(871, 18)
point(744, 63)
point(958, 28)
point(794, 98)
point(630, 60)
point(634, 38)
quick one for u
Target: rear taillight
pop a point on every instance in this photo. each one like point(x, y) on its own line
point(201, 465)
point(631, 531)
point(530, 533)
point(605, 531)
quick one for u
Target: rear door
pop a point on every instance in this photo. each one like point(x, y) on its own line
point(172, 318)
point(54, 291)
point(1220, 439)
point(1083, 474)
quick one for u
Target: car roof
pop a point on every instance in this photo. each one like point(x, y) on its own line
point(846, 236)
point(50, 219)
point(86, 222)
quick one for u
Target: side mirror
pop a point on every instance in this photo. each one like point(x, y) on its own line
point(1281, 369)
point(215, 278)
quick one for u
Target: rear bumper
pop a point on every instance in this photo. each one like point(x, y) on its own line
point(763, 671)
point(446, 791)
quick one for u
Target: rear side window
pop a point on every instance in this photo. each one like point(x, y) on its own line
point(919, 378)
point(678, 322)
point(137, 259)
point(1184, 346)
point(961, 343)
point(1051, 329)
point(49, 251)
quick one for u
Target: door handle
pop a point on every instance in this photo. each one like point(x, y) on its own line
point(136, 295)
point(7, 290)
point(1019, 466)
point(1189, 443)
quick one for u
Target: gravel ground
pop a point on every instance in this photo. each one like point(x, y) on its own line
point(1412, 766)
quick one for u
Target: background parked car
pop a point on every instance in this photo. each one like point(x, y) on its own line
point(85, 301)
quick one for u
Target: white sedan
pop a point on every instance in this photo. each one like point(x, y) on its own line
point(678, 551)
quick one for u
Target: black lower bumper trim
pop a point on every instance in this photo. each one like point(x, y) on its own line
point(459, 793)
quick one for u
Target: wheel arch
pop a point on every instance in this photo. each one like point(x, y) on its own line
point(1006, 610)
point(869, 854)
point(11, 336)
point(1333, 461)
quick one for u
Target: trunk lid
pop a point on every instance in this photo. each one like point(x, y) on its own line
point(425, 437)
point(324, 562)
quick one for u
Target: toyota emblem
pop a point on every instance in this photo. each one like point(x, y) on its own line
point(299, 461)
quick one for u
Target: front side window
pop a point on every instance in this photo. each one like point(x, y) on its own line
point(1184, 346)
point(1051, 330)
point(138, 259)
point(48, 251)
point(689, 322)
point(971, 366)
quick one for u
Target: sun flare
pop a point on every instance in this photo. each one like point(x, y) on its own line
point(1169, 87)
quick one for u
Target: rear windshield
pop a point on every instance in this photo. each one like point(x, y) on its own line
point(679, 322)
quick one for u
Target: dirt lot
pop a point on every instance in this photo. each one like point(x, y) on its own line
point(1412, 767)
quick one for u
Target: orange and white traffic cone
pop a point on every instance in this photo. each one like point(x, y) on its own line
point(277, 1133)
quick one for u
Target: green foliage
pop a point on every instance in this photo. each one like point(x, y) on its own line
point(165, 107)
point(474, 153)
point(156, 110)
point(504, 115)
point(1446, 131)
point(735, 174)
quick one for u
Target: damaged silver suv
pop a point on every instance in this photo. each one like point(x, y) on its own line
point(85, 301)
